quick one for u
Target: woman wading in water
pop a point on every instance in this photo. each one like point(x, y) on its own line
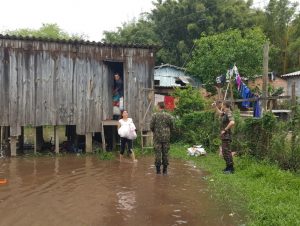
point(127, 133)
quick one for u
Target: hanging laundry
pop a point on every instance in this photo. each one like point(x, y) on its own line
point(228, 75)
point(235, 69)
point(220, 80)
point(257, 109)
point(238, 80)
point(245, 93)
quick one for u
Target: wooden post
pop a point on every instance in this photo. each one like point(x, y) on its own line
point(293, 99)
point(231, 94)
point(21, 139)
point(56, 139)
point(39, 137)
point(103, 137)
point(34, 140)
point(265, 76)
point(88, 143)
point(1, 134)
point(13, 146)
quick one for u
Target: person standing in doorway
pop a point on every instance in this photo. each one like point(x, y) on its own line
point(118, 85)
point(117, 97)
point(227, 122)
point(126, 124)
point(162, 124)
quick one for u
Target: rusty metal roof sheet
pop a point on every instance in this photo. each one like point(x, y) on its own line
point(80, 42)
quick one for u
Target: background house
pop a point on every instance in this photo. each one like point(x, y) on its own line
point(290, 79)
point(275, 81)
point(168, 76)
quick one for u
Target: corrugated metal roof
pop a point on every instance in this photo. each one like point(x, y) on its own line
point(296, 73)
point(80, 42)
point(171, 66)
point(170, 76)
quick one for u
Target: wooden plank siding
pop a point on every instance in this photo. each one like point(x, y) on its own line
point(54, 82)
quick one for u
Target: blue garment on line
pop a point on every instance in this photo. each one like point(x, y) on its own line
point(245, 93)
point(257, 109)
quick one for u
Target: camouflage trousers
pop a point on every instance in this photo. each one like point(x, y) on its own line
point(161, 153)
point(226, 151)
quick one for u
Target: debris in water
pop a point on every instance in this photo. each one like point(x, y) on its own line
point(3, 181)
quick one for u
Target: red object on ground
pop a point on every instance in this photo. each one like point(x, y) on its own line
point(3, 181)
point(169, 103)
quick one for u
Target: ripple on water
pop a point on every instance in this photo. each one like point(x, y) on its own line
point(126, 200)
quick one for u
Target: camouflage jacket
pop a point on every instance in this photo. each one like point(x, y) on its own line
point(225, 119)
point(161, 125)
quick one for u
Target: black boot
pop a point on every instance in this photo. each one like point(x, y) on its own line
point(229, 169)
point(165, 170)
point(158, 170)
point(225, 169)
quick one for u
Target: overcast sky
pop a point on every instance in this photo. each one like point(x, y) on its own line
point(90, 17)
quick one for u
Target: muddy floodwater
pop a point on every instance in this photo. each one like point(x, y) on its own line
point(84, 190)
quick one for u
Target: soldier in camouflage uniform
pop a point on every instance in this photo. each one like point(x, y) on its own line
point(227, 122)
point(161, 125)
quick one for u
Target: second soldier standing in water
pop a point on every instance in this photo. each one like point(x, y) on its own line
point(162, 123)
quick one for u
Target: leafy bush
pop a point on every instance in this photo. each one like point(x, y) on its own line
point(199, 128)
point(188, 100)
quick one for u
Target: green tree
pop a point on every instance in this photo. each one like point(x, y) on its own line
point(215, 54)
point(294, 45)
point(175, 24)
point(279, 15)
point(52, 31)
point(140, 32)
point(179, 23)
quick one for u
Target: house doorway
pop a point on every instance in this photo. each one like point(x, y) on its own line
point(116, 77)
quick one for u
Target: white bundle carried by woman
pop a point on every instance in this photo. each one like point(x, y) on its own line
point(127, 129)
point(123, 131)
point(131, 134)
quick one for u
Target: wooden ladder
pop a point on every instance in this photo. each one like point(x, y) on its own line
point(143, 123)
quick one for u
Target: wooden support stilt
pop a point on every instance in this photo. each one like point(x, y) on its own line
point(13, 146)
point(56, 138)
point(103, 138)
point(108, 123)
point(21, 139)
point(1, 134)
point(34, 140)
point(88, 143)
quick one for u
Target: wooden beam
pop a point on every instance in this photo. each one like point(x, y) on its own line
point(13, 146)
point(293, 99)
point(257, 98)
point(34, 140)
point(88, 143)
point(56, 139)
point(103, 137)
point(265, 75)
point(1, 134)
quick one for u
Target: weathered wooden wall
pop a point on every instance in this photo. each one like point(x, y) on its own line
point(68, 83)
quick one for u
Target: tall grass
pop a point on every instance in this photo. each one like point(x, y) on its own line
point(267, 194)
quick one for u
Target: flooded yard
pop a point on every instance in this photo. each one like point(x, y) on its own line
point(84, 190)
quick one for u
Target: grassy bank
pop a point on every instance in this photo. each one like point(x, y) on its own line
point(267, 194)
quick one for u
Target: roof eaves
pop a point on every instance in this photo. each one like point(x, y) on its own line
point(293, 74)
point(76, 41)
